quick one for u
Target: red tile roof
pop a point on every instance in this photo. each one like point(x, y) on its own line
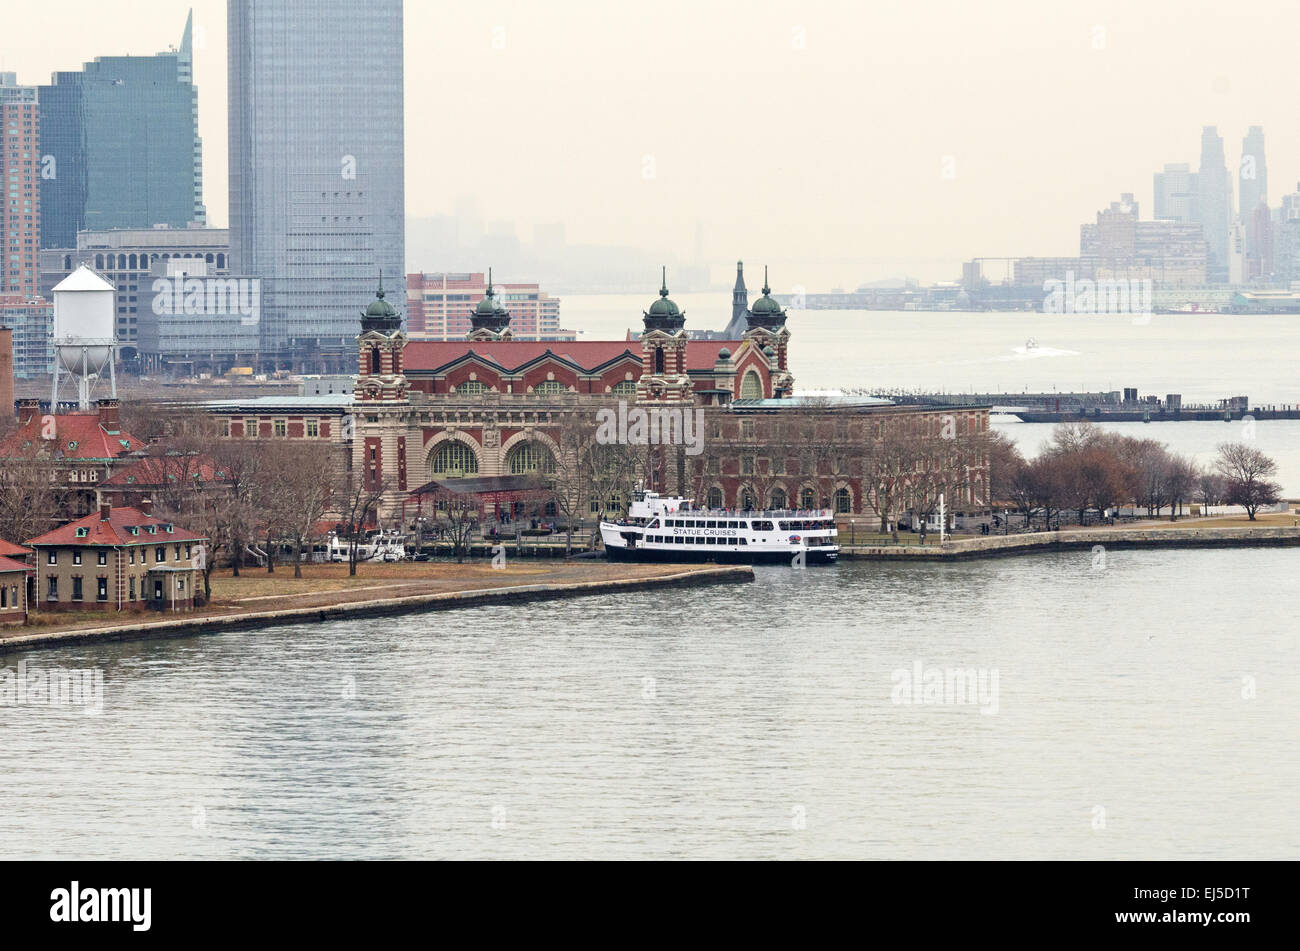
point(76, 436)
point(424, 355)
point(8, 564)
point(115, 531)
point(155, 471)
point(10, 550)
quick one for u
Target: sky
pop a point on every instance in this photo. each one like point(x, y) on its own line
point(839, 142)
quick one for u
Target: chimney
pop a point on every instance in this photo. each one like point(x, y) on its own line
point(146, 506)
point(105, 510)
point(28, 410)
point(110, 415)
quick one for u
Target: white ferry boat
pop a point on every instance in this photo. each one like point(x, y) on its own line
point(661, 528)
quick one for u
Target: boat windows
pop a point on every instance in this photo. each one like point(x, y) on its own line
point(763, 527)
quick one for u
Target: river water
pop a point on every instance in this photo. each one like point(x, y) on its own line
point(1144, 708)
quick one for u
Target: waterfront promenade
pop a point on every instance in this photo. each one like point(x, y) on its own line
point(327, 593)
point(1187, 533)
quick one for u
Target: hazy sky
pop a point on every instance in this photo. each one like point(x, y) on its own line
point(813, 136)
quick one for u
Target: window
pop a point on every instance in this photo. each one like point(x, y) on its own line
point(751, 387)
point(843, 501)
point(76, 588)
point(159, 555)
point(550, 388)
point(778, 499)
point(53, 589)
point(52, 558)
point(313, 428)
point(281, 428)
point(747, 464)
point(453, 459)
point(659, 361)
point(626, 388)
point(157, 590)
point(530, 458)
point(807, 498)
point(76, 557)
point(103, 557)
point(471, 388)
point(250, 429)
point(101, 592)
point(131, 556)
point(715, 498)
point(131, 587)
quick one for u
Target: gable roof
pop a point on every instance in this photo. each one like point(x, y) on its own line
point(77, 436)
point(423, 356)
point(115, 532)
point(10, 550)
point(8, 564)
point(157, 471)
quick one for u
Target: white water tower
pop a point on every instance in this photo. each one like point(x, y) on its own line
point(85, 342)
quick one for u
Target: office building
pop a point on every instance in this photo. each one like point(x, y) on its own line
point(439, 307)
point(316, 168)
point(120, 139)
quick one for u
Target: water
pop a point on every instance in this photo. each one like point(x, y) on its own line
point(752, 722)
point(1202, 357)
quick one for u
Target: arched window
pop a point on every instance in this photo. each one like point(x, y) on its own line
point(453, 459)
point(843, 501)
point(659, 361)
point(715, 498)
point(210, 259)
point(751, 387)
point(376, 362)
point(779, 500)
point(471, 388)
point(67, 262)
point(132, 261)
point(807, 498)
point(221, 262)
point(99, 262)
point(747, 501)
point(550, 388)
point(626, 388)
point(530, 458)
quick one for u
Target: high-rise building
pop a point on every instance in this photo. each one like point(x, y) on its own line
point(316, 167)
point(439, 307)
point(1215, 201)
point(121, 139)
point(1175, 194)
point(1252, 192)
point(1252, 176)
point(1120, 247)
point(20, 177)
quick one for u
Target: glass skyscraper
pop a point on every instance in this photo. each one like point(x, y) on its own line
point(317, 189)
point(123, 137)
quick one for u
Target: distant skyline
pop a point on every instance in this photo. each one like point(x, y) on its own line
point(813, 136)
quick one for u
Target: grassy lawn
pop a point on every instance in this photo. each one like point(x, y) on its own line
point(316, 579)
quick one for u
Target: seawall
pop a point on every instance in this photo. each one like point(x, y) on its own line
point(390, 607)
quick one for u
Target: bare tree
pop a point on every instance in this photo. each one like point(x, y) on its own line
point(1247, 474)
point(357, 502)
point(31, 495)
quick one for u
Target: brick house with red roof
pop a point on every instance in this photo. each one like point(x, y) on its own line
point(152, 478)
point(86, 449)
point(118, 559)
point(14, 591)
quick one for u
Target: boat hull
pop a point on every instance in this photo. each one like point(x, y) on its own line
point(724, 556)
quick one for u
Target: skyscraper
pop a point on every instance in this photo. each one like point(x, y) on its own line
point(122, 140)
point(1215, 201)
point(1253, 175)
point(1175, 194)
point(317, 188)
point(1252, 190)
point(20, 178)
